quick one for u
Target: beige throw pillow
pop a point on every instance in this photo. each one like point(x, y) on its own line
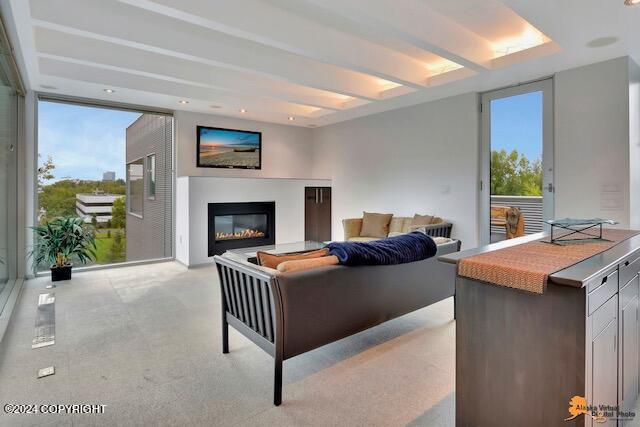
point(421, 220)
point(375, 224)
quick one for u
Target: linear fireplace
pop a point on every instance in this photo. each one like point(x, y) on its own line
point(240, 225)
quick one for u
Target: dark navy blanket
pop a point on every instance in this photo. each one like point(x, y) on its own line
point(401, 249)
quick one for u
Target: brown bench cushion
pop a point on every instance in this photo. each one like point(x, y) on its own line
point(273, 260)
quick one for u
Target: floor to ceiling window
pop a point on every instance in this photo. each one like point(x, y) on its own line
point(94, 163)
point(8, 148)
point(10, 114)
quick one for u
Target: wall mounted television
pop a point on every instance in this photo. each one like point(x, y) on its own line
point(228, 148)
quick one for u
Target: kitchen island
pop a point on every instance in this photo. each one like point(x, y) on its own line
point(521, 357)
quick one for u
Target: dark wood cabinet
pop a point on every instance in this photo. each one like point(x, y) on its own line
point(317, 213)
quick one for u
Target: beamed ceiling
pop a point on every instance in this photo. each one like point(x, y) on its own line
point(314, 61)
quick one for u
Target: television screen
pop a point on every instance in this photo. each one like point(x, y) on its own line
point(228, 148)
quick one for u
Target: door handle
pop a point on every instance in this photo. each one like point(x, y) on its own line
point(550, 188)
point(316, 195)
point(321, 196)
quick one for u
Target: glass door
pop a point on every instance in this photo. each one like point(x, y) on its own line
point(517, 161)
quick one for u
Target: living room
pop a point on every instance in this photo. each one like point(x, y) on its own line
point(284, 211)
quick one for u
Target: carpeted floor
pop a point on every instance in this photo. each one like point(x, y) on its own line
point(145, 341)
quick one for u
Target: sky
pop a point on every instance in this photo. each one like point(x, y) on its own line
point(516, 124)
point(84, 142)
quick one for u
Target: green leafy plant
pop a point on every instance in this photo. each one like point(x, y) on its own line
point(62, 240)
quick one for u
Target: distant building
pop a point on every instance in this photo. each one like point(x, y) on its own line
point(96, 203)
point(109, 176)
point(149, 231)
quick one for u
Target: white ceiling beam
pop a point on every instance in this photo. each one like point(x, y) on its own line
point(66, 45)
point(120, 23)
point(112, 77)
point(280, 29)
point(415, 23)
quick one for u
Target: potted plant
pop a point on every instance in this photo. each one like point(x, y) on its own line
point(60, 241)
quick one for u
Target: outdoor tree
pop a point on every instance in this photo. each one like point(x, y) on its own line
point(512, 174)
point(117, 251)
point(118, 213)
point(45, 171)
point(59, 198)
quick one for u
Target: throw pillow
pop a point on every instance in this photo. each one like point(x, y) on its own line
point(375, 224)
point(420, 220)
point(273, 260)
point(307, 264)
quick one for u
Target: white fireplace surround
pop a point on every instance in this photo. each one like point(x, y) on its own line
point(193, 194)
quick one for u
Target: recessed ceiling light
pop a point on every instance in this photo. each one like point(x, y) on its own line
point(183, 101)
point(215, 106)
point(242, 110)
point(602, 41)
point(291, 118)
point(109, 90)
point(48, 87)
point(631, 2)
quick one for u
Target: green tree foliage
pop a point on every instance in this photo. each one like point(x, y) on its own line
point(45, 171)
point(512, 174)
point(59, 198)
point(118, 219)
point(118, 248)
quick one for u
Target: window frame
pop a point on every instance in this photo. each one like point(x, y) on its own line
point(150, 176)
point(32, 150)
point(128, 188)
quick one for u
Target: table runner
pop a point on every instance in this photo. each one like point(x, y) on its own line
point(527, 266)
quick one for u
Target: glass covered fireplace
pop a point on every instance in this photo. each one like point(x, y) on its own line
point(240, 225)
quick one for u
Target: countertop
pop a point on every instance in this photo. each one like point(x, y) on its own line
point(576, 275)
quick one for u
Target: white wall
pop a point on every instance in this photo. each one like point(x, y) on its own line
point(592, 167)
point(191, 216)
point(420, 159)
point(287, 150)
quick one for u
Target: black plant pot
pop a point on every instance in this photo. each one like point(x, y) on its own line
point(61, 273)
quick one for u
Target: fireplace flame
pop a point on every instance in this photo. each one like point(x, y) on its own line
point(244, 234)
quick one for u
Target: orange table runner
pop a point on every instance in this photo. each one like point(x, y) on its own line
point(527, 266)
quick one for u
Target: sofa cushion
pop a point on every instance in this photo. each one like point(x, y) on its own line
point(306, 264)
point(395, 233)
point(396, 224)
point(406, 224)
point(273, 260)
point(375, 224)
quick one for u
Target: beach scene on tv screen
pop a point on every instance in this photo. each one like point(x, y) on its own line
point(229, 148)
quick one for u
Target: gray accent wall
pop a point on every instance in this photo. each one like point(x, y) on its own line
point(151, 236)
